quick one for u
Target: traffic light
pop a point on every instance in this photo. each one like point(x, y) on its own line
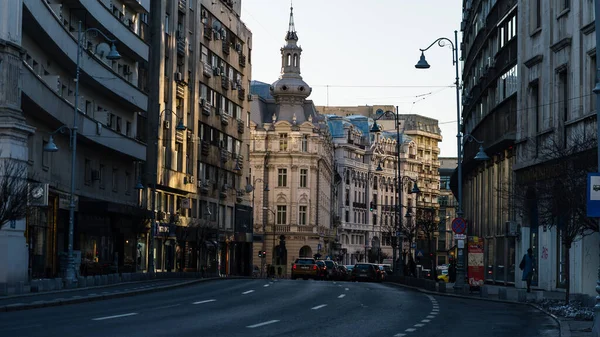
point(260, 254)
point(371, 206)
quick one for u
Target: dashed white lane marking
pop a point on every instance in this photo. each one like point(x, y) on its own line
point(342, 296)
point(418, 325)
point(334, 282)
point(262, 324)
point(430, 316)
point(319, 307)
point(410, 330)
point(435, 309)
point(92, 294)
point(266, 285)
point(114, 316)
point(167, 306)
point(434, 313)
point(425, 320)
point(205, 301)
point(346, 289)
point(247, 292)
point(400, 335)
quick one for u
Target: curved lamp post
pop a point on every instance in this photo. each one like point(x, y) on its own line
point(422, 64)
point(113, 54)
point(251, 188)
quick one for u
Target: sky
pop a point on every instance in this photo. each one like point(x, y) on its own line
point(363, 52)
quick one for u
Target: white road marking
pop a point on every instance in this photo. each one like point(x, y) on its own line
point(262, 324)
point(430, 297)
point(167, 306)
point(205, 301)
point(247, 292)
point(115, 316)
point(419, 325)
point(346, 289)
point(319, 307)
point(435, 309)
point(266, 285)
point(400, 335)
point(425, 320)
point(410, 330)
point(334, 282)
point(342, 296)
point(430, 316)
point(434, 313)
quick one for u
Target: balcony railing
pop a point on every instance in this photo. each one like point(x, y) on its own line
point(182, 6)
point(241, 94)
point(242, 60)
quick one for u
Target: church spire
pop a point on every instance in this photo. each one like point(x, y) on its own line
point(291, 34)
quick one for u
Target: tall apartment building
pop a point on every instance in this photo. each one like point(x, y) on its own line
point(556, 122)
point(38, 48)
point(291, 158)
point(201, 204)
point(489, 50)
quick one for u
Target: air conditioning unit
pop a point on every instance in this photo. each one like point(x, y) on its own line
point(178, 77)
point(166, 124)
point(216, 71)
point(191, 179)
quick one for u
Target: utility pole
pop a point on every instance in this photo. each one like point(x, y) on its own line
point(155, 71)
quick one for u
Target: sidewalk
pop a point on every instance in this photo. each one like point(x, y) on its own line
point(121, 286)
point(569, 327)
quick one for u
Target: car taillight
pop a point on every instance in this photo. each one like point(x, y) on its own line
point(315, 267)
point(294, 266)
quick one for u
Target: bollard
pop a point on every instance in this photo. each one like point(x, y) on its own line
point(20, 288)
point(104, 280)
point(36, 286)
point(483, 292)
point(502, 294)
point(442, 286)
point(58, 283)
point(521, 295)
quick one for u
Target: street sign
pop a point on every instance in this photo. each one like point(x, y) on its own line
point(459, 225)
point(461, 245)
point(319, 247)
point(419, 253)
point(460, 236)
point(593, 195)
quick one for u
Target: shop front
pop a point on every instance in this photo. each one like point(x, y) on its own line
point(240, 248)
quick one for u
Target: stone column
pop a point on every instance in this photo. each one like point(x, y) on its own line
point(14, 133)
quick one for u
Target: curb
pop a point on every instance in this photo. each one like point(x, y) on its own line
point(562, 330)
point(78, 289)
point(54, 303)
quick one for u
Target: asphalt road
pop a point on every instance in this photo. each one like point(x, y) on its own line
point(282, 308)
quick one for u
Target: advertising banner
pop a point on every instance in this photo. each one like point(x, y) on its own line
point(476, 269)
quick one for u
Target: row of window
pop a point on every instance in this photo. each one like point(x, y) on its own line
point(282, 215)
point(284, 139)
point(282, 177)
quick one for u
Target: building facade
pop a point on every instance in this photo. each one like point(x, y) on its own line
point(40, 40)
point(556, 122)
point(368, 195)
point(489, 113)
point(291, 160)
point(202, 210)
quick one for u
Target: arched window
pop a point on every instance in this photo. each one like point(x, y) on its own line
point(295, 60)
point(289, 60)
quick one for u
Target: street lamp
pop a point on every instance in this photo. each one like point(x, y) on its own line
point(265, 189)
point(179, 127)
point(596, 329)
point(113, 54)
point(376, 129)
point(274, 220)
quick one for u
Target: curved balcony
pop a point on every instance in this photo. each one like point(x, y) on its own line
point(127, 38)
point(46, 99)
point(56, 40)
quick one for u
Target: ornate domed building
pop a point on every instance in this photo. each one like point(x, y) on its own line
point(291, 161)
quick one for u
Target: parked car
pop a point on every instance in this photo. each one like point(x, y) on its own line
point(305, 268)
point(364, 272)
point(388, 269)
point(332, 271)
point(343, 273)
point(381, 274)
point(322, 271)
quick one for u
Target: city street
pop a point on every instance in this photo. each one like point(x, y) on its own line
point(282, 308)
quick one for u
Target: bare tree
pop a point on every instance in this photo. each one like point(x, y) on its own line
point(13, 190)
point(426, 228)
point(557, 196)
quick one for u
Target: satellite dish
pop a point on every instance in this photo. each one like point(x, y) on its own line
point(102, 49)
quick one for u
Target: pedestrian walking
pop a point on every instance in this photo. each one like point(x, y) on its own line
point(527, 265)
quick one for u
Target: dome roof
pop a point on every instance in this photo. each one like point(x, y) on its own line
point(290, 86)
